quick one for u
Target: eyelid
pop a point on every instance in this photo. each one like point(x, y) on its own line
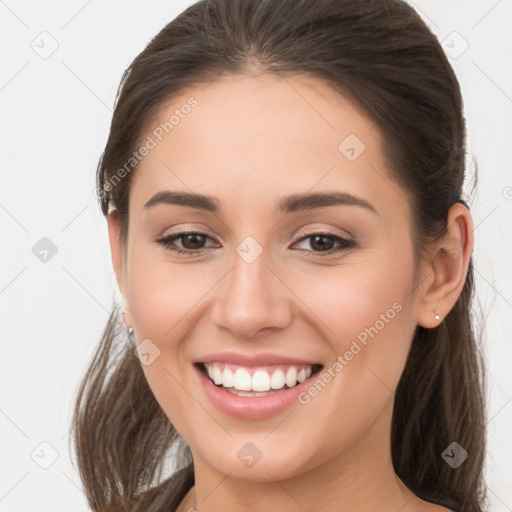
point(323, 231)
point(298, 238)
point(200, 229)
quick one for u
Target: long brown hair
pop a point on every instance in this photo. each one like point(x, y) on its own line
point(381, 54)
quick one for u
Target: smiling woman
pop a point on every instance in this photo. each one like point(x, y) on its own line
point(294, 258)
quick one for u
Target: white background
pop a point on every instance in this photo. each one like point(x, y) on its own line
point(55, 114)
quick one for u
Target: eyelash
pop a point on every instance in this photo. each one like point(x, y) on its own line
point(167, 242)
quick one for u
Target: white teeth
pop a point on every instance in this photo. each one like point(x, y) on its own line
point(261, 381)
point(228, 378)
point(277, 379)
point(242, 380)
point(217, 375)
point(291, 377)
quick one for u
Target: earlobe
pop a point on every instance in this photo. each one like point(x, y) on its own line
point(449, 265)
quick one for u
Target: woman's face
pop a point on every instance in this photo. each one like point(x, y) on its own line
point(274, 282)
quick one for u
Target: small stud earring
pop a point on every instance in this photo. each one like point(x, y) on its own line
point(437, 315)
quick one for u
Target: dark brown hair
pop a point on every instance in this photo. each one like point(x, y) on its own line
point(383, 56)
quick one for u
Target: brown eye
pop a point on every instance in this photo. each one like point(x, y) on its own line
point(324, 243)
point(191, 242)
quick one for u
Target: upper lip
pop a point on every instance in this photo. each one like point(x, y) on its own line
point(263, 359)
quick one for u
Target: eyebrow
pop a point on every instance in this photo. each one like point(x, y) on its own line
point(287, 204)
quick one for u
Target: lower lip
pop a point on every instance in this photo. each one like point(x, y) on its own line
point(251, 408)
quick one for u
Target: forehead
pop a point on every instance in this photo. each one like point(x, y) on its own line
point(245, 133)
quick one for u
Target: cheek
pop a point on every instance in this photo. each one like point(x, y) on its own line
point(368, 320)
point(163, 294)
point(368, 324)
point(164, 300)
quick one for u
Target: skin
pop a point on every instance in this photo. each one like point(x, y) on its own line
point(250, 141)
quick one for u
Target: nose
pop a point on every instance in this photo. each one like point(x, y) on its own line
point(252, 300)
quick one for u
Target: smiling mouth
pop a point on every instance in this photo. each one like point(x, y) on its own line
point(257, 381)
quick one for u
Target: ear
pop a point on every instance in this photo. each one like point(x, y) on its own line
point(444, 277)
point(118, 259)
